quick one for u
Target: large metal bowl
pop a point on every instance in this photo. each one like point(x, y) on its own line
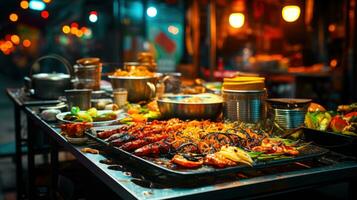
point(139, 88)
point(171, 107)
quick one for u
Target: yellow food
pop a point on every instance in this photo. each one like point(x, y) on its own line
point(138, 72)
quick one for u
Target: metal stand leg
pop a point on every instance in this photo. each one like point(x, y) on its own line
point(18, 154)
point(31, 158)
point(54, 169)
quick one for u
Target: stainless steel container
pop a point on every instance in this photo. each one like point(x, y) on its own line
point(288, 113)
point(244, 105)
point(79, 97)
point(170, 107)
point(139, 88)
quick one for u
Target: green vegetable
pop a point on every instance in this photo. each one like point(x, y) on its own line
point(318, 120)
point(152, 115)
point(75, 110)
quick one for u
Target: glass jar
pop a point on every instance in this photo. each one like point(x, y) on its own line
point(88, 73)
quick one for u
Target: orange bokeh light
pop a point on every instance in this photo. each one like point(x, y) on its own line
point(333, 63)
point(26, 43)
point(332, 27)
point(74, 30)
point(15, 39)
point(24, 4)
point(13, 17)
point(79, 33)
point(46, 1)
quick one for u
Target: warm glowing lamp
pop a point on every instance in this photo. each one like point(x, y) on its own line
point(236, 20)
point(291, 13)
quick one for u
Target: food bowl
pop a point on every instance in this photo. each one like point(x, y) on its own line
point(139, 88)
point(173, 107)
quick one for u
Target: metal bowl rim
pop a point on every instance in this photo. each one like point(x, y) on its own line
point(156, 75)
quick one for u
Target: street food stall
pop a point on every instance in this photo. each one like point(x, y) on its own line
point(145, 141)
point(200, 99)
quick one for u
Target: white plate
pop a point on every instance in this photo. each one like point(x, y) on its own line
point(80, 140)
point(120, 115)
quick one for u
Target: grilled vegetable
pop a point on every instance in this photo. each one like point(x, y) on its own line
point(236, 154)
point(187, 161)
point(317, 120)
point(338, 124)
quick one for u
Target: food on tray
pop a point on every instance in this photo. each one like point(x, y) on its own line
point(91, 115)
point(137, 72)
point(89, 150)
point(141, 113)
point(75, 130)
point(347, 108)
point(244, 83)
point(199, 98)
point(344, 121)
point(191, 144)
point(314, 107)
point(318, 120)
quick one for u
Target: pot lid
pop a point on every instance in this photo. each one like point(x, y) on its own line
point(51, 76)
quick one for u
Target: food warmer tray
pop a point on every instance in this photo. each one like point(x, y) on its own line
point(148, 163)
point(334, 141)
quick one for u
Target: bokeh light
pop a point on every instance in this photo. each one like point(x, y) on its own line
point(291, 13)
point(151, 11)
point(236, 20)
point(45, 14)
point(26, 43)
point(24, 4)
point(66, 29)
point(15, 39)
point(13, 17)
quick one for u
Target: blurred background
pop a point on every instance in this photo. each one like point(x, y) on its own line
point(305, 48)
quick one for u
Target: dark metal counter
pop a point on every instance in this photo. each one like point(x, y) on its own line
point(264, 182)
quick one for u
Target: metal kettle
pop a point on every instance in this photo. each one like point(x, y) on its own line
point(50, 85)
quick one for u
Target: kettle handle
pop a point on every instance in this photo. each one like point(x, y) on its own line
point(152, 89)
point(64, 61)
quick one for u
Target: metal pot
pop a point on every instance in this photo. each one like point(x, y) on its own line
point(139, 88)
point(171, 107)
point(50, 85)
